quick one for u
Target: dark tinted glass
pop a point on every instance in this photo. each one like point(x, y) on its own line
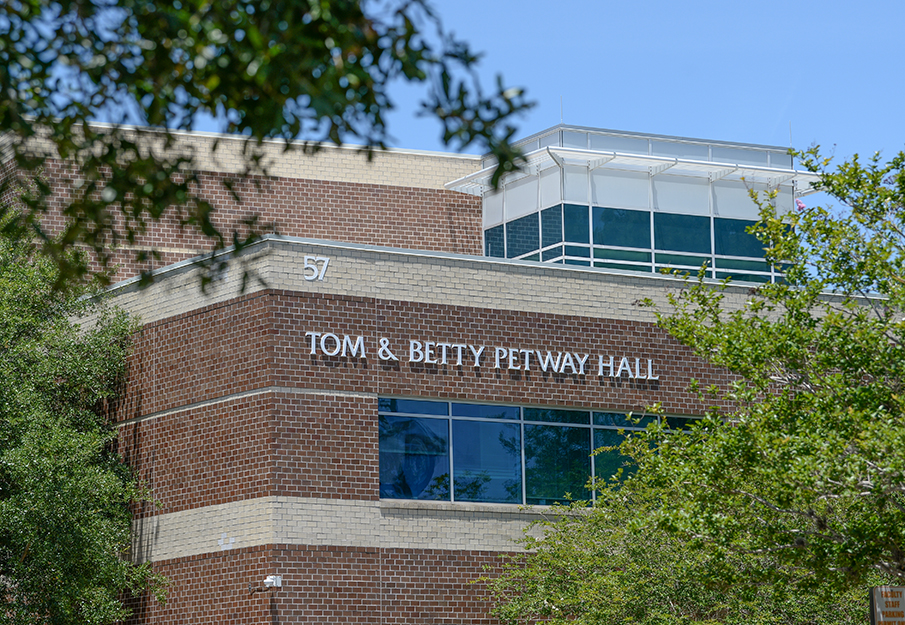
point(575, 219)
point(745, 277)
point(679, 259)
point(679, 423)
point(551, 225)
point(682, 233)
point(577, 250)
point(645, 268)
point(608, 463)
point(487, 462)
point(731, 239)
point(620, 419)
point(747, 265)
point(522, 236)
point(621, 227)
point(493, 242)
point(553, 252)
point(638, 257)
point(487, 412)
point(557, 463)
point(557, 416)
point(414, 458)
point(413, 406)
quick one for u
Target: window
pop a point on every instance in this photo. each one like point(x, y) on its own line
point(682, 233)
point(522, 236)
point(493, 242)
point(620, 238)
point(496, 453)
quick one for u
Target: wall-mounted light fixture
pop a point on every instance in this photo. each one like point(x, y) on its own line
point(271, 582)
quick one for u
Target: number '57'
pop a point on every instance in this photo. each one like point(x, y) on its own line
point(312, 265)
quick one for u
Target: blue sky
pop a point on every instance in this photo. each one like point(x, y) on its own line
point(734, 71)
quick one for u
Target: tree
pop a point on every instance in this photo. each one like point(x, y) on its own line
point(64, 493)
point(609, 564)
point(816, 422)
point(275, 69)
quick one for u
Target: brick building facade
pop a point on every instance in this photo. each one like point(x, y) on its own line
point(369, 417)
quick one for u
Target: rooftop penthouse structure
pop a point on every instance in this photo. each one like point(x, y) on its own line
point(635, 202)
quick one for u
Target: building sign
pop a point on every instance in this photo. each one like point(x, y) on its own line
point(887, 605)
point(484, 356)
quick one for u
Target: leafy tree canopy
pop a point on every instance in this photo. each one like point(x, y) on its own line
point(817, 424)
point(611, 564)
point(64, 494)
point(269, 69)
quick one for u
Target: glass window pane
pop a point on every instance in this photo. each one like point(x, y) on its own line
point(557, 416)
point(577, 228)
point(670, 270)
point(583, 263)
point(522, 236)
point(552, 253)
point(608, 463)
point(485, 411)
point(493, 242)
point(678, 149)
point(737, 156)
point(638, 257)
point(781, 159)
point(679, 423)
point(619, 419)
point(487, 461)
point(551, 226)
point(414, 458)
point(621, 227)
point(682, 233)
point(742, 277)
point(557, 462)
point(626, 267)
point(575, 250)
point(747, 265)
point(551, 139)
point(732, 240)
point(619, 144)
point(412, 406)
point(678, 259)
point(572, 139)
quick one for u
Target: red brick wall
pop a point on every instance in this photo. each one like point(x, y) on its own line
point(259, 340)
point(325, 445)
point(273, 444)
point(288, 443)
point(404, 217)
point(353, 585)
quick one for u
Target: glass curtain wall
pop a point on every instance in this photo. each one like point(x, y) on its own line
point(454, 451)
point(631, 220)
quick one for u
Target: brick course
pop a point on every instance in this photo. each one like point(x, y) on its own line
point(377, 214)
point(351, 585)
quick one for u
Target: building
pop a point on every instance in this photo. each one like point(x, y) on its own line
point(417, 358)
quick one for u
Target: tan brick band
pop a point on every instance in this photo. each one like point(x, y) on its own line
point(231, 154)
point(407, 275)
point(382, 524)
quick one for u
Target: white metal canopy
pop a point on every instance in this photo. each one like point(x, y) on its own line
point(538, 160)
